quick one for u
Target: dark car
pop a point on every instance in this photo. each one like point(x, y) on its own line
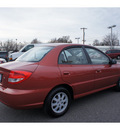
point(113, 53)
point(54, 74)
point(4, 55)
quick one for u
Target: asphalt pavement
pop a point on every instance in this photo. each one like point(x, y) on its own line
point(103, 106)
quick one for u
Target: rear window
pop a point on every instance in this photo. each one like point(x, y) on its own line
point(34, 55)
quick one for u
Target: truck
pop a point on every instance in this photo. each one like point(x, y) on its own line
point(15, 55)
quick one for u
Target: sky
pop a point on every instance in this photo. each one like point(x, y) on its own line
point(46, 23)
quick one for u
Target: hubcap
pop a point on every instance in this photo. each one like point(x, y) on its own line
point(59, 102)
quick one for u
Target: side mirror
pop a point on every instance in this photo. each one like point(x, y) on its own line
point(113, 61)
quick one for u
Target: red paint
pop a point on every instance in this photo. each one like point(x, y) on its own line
point(45, 75)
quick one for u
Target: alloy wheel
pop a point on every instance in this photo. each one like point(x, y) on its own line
point(59, 102)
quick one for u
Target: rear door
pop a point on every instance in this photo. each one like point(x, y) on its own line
point(105, 74)
point(76, 70)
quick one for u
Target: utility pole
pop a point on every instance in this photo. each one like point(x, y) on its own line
point(110, 27)
point(83, 35)
point(77, 39)
point(16, 45)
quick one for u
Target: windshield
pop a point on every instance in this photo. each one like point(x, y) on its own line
point(26, 48)
point(35, 54)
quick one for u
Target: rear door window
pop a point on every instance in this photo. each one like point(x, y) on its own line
point(73, 56)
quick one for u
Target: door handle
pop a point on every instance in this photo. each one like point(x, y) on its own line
point(98, 71)
point(66, 73)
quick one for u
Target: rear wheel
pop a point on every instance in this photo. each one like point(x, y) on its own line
point(57, 102)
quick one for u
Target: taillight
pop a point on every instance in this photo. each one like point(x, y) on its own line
point(18, 76)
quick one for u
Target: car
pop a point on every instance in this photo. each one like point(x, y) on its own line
point(15, 55)
point(113, 53)
point(52, 75)
point(2, 60)
point(4, 55)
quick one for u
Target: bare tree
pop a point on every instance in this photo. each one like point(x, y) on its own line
point(107, 40)
point(64, 39)
point(10, 45)
point(96, 42)
point(54, 40)
point(35, 41)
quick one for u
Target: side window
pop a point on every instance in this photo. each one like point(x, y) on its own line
point(73, 56)
point(113, 51)
point(62, 58)
point(117, 51)
point(97, 57)
point(108, 52)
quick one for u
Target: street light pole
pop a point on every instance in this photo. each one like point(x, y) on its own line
point(77, 39)
point(83, 35)
point(110, 27)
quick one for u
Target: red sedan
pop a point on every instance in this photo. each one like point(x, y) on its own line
point(113, 53)
point(54, 74)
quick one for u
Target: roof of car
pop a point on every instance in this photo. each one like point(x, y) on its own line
point(59, 44)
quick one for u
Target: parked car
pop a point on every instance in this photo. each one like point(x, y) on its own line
point(15, 55)
point(4, 55)
point(52, 75)
point(113, 53)
point(2, 60)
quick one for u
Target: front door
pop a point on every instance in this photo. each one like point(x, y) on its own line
point(105, 74)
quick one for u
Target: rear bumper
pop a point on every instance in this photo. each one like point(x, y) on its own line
point(21, 98)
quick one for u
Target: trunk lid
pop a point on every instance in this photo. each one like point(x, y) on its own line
point(15, 65)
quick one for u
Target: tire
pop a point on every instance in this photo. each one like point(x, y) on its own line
point(57, 102)
point(118, 57)
point(117, 87)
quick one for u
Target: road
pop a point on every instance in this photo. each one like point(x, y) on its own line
point(103, 106)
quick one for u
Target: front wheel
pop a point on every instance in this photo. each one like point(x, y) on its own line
point(117, 87)
point(57, 102)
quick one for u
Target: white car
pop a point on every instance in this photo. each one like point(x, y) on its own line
point(2, 60)
point(15, 55)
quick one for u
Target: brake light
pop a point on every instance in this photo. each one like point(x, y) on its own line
point(18, 76)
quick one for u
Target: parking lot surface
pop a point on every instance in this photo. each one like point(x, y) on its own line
point(103, 106)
